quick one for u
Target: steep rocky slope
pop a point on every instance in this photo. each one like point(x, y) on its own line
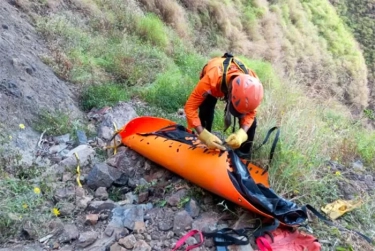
point(27, 86)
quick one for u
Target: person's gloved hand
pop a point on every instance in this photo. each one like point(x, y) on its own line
point(236, 139)
point(210, 140)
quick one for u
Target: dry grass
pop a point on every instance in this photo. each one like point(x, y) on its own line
point(171, 12)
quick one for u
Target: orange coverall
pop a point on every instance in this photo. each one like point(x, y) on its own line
point(210, 83)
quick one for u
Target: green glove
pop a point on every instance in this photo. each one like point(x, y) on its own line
point(236, 139)
point(210, 140)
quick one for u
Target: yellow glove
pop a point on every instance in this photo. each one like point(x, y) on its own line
point(236, 139)
point(210, 140)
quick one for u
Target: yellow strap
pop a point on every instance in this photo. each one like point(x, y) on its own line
point(78, 171)
point(114, 139)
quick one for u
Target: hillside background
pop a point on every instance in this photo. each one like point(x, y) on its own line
point(314, 57)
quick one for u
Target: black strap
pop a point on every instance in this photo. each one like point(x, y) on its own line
point(330, 223)
point(223, 237)
point(229, 58)
point(274, 143)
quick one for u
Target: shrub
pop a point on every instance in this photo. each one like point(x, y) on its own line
point(99, 96)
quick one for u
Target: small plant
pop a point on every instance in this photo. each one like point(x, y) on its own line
point(58, 123)
point(115, 194)
point(183, 201)
point(369, 114)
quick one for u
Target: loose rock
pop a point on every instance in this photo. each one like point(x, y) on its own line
point(182, 222)
point(87, 238)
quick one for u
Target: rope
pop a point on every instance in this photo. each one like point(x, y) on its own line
point(78, 171)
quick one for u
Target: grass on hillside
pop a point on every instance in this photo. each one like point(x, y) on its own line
point(127, 54)
point(25, 198)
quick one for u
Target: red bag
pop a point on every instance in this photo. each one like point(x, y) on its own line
point(286, 240)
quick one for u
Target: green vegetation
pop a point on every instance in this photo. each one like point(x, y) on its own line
point(58, 123)
point(25, 198)
point(102, 95)
point(358, 15)
point(302, 51)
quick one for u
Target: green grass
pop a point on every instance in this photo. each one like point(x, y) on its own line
point(358, 16)
point(58, 123)
point(20, 203)
point(99, 96)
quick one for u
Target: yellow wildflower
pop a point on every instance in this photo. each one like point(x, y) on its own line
point(338, 173)
point(37, 190)
point(56, 211)
point(22, 126)
point(25, 205)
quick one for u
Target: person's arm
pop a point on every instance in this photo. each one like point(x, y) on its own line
point(195, 99)
point(240, 136)
point(248, 120)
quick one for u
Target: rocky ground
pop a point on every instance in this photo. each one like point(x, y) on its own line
point(127, 202)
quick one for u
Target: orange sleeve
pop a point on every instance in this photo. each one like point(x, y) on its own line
point(197, 96)
point(248, 119)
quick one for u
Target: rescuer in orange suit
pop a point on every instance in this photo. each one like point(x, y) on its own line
point(242, 90)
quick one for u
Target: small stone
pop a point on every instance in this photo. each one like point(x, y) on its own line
point(66, 209)
point(5, 26)
point(116, 247)
point(66, 194)
point(105, 132)
point(139, 227)
point(128, 241)
point(83, 202)
point(147, 166)
point(191, 241)
point(182, 222)
point(82, 138)
point(141, 245)
point(121, 233)
point(170, 234)
point(148, 237)
point(101, 193)
point(143, 197)
point(92, 218)
point(67, 176)
point(358, 165)
point(29, 230)
point(109, 231)
point(139, 237)
point(99, 206)
point(80, 192)
point(70, 233)
point(29, 70)
point(192, 208)
point(176, 197)
point(369, 180)
point(87, 238)
point(104, 216)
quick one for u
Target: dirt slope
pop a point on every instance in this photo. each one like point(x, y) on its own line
point(27, 85)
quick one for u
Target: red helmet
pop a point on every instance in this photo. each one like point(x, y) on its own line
point(247, 94)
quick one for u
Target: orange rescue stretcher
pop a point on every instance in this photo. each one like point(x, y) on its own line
point(221, 172)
